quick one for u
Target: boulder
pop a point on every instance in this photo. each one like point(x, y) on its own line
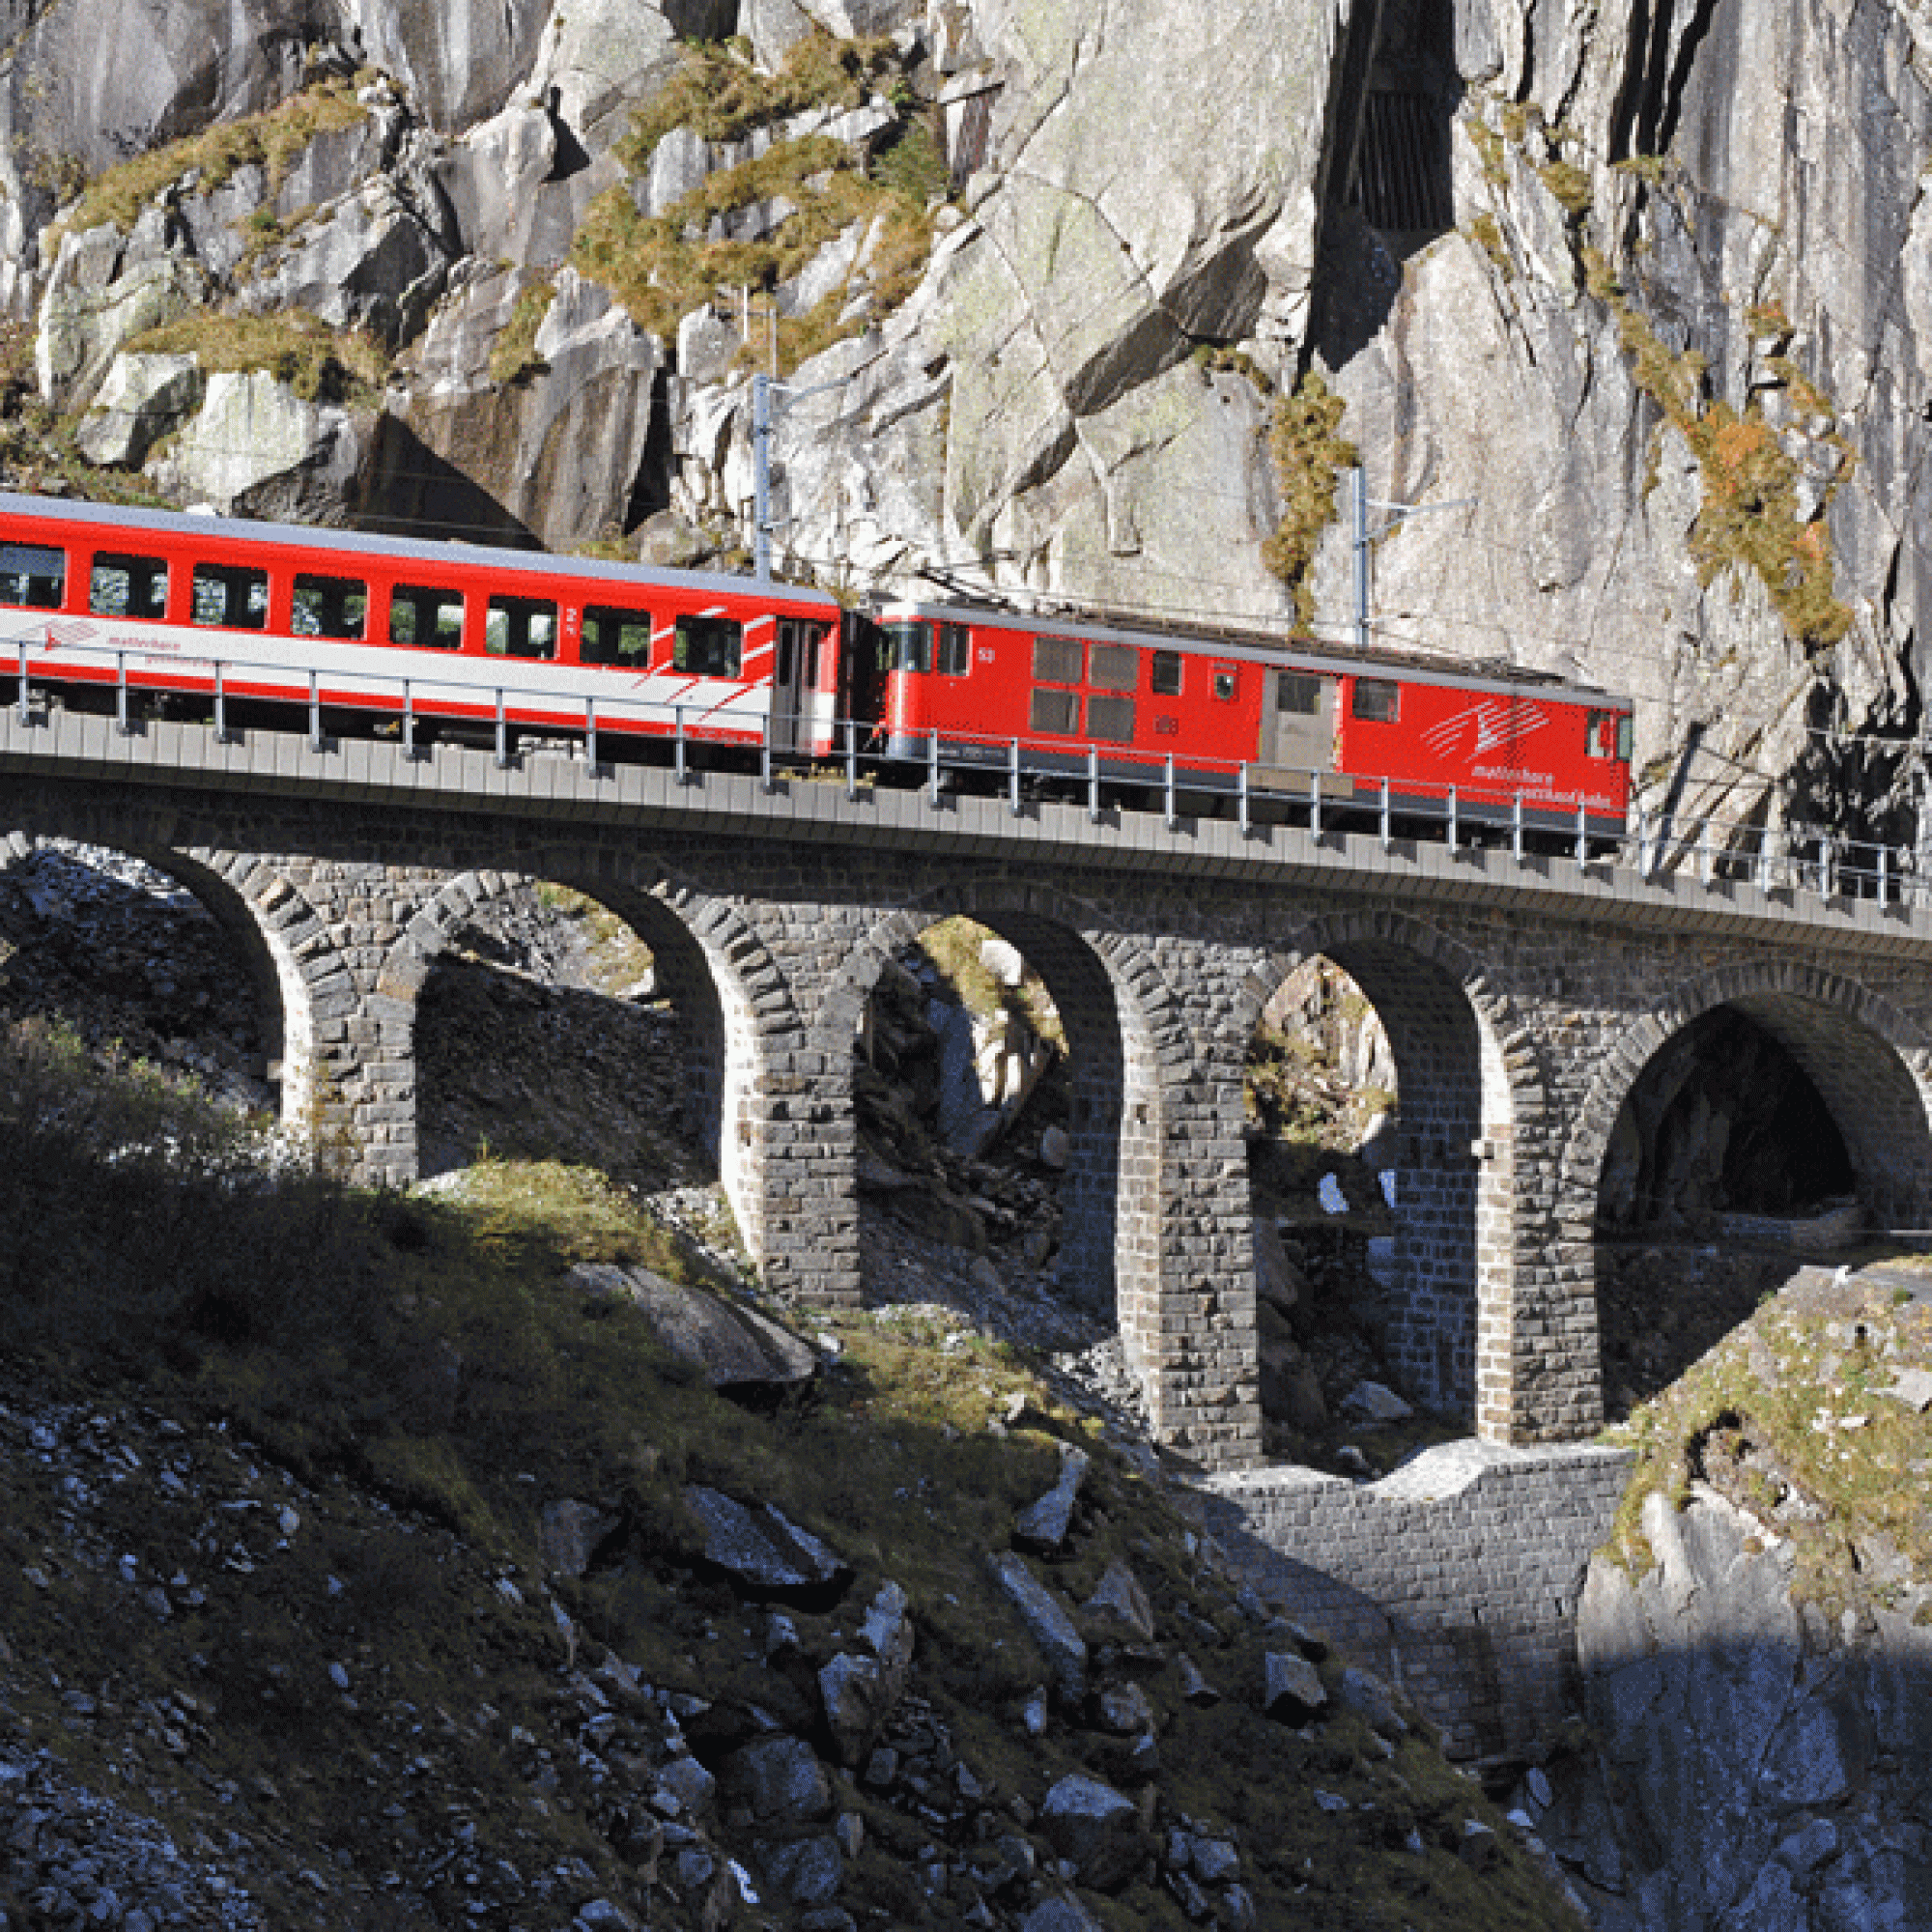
point(1095, 1829)
point(557, 452)
point(144, 398)
point(571, 1532)
point(762, 1552)
point(1291, 1689)
point(807, 1871)
point(255, 448)
point(1363, 1691)
point(736, 1349)
point(1371, 1403)
point(102, 293)
point(1044, 1524)
point(780, 1780)
point(376, 260)
point(1278, 1282)
point(1063, 1914)
point(1047, 1623)
point(1119, 1597)
point(857, 1700)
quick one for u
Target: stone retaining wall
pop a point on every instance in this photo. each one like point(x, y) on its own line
point(1457, 1578)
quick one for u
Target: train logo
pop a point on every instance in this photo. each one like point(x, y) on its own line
point(1493, 725)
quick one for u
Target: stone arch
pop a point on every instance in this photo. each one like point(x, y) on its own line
point(1109, 999)
point(735, 1005)
point(1470, 1091)
point(1870, 1062)
point(270, 922)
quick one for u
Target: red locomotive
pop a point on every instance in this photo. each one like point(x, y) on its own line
point(1300, 717)
point(109, 604)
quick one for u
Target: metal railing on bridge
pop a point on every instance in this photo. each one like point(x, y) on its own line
point(608, 727)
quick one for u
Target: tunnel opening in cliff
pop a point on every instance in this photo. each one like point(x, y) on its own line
point(1399, 176)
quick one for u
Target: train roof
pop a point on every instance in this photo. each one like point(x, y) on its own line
point(1259, 646)
point(415, 550)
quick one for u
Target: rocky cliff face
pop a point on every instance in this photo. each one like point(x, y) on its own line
point(1758, 1649)
point(1647, 286)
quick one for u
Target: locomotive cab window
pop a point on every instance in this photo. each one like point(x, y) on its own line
point(128, 587)
point(1299, 695)
point(955, 650)
point(329, 607)
point(229, 597)
point(908, 647)
point(1377, 700)
point(425, 617)
point(1227, 684)
point(613, 636)
point(1608, 735)
point(32, 576)
point(1164, 674)
point(520, 627)
point(709, 646)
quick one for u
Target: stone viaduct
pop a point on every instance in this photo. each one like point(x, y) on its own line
point(1523, 999)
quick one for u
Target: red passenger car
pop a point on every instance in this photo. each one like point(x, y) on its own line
point(1299, 717)
point(152, 602)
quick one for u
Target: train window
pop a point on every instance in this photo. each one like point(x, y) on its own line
point(520, 627)
point(955, 650)
point(1608, 735)
point(424, 616)
point(1164, 678)
point(128, 587)
point(32, 575)
point(909, 647)
point(613, 636)
point(229, 597)
point(1227, 684)
point(1377, 700)
point(1055, 711)
point(329, 607)
point(1115, 668)
point(709, 646)
point(1110, 719)
point(1299, 694)
point(1057, 661)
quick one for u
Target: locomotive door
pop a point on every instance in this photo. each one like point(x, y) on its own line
point(793, 675)
point(1297, 734)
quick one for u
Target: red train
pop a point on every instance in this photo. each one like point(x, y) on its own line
point(118, 607)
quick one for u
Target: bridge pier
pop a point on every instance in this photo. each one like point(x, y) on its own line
point(1523, 1001)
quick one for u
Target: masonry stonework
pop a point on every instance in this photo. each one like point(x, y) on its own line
point(1521, 1007)
point(1457, 1578)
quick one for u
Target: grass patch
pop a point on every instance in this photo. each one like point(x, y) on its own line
point(513, 355)
point(1789, 1419)
point(663, 267)
point(321, 364)
point(1310, 454)
point(273, 141)
point(722, 95)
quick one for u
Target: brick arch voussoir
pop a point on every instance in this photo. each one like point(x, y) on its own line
point(987, 900)
point(1623, 1066)
point(717, 929)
